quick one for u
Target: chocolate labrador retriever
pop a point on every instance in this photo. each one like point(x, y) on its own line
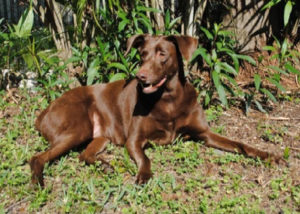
point(158, 105)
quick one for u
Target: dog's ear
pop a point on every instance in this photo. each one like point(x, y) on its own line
point(135, 42)
point(186, 44)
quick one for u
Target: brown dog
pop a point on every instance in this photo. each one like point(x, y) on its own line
point(158, 105)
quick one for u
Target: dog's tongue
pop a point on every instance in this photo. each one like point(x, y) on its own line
point(152, 88)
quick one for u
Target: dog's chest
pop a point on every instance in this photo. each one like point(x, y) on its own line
point(163, 132)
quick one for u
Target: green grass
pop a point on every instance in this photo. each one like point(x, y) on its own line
point(188, 177)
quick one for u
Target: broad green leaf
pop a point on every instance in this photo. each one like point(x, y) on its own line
point(118, 66)
point(147, 24)
point(277, 84)
point(73, 59)
point(205, 55)
point(117, 76)
point(174, 22)
point(269, 48)
point(230, 79)
point(207, 33)
point(270, 4)
point(219, 87)
point(92, 71)
point(287, 12)
point(269, 94)
point(122, 25)
point(217, 67)
point(167, 19)
point(228, 68)
point(284, 48)
point(257, 81)
point(275, 68)
point(235, 61)
point(291, 69)
point(246, 58)
point(286, 153)
point(24, 26)
point(207, 99)
point(214, 55)
point(259, 106)
point(28, 60)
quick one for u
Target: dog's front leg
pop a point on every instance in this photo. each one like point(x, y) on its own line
point(135, 148)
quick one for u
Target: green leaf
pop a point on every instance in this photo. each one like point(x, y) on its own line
point(122, 25)
point(284, 48)
point(275, 68)
point(92, 71)
point(286, 153)
point(259, 106)
point(219, 87)
point(205, 55)
point(174, 22)
point(28, 60)
point(270, 4)
point(147, 24)
point(228, 68)
point(230, 79)
point(207, 33)
point(287, 12)
point(269, 94)
point(214, 55)
point(235, 61)
point(291, 69)
point(246, 58)
point(24, 26)
point(167, 19)
point(207, 99)
point(269, 48)
point(117, 76)
point(277, 84)
point(257, 81)
point(118, 66)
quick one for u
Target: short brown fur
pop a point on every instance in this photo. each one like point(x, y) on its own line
point(120, 112)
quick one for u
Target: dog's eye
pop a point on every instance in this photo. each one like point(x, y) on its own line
point(143, 54)
point(161, 53)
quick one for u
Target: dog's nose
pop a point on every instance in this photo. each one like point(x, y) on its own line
point(142, 76)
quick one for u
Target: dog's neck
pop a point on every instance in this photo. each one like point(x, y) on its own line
point(174, 87)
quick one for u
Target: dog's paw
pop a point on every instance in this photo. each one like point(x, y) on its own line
point(281, 161)
point(143, 177)
point(37, 171)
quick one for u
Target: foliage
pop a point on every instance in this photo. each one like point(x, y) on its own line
point(115, 24)
point(285, 57)
point(24, 47)
point(287, 8)
point(223, 63)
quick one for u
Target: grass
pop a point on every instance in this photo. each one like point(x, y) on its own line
point(188, 177)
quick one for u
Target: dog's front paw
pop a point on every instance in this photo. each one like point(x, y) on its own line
point(143, 177)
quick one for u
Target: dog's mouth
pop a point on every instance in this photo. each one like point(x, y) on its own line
point(150, 88)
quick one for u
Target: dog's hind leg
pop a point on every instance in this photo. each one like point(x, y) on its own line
point(223, 143)
point(93, 151)
point(61, 145)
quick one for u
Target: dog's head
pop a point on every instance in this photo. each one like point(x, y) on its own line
point(160, 57)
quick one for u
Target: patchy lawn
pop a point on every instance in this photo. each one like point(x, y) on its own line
point(188, 177)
